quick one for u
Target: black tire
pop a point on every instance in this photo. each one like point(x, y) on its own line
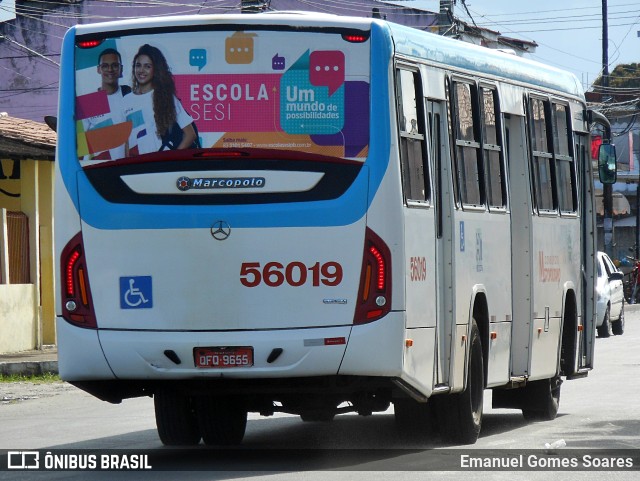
point(617, 327)
point(541, 399)
point(175, 418)
point(460, 415)
point(222, 422)
point(604, 329)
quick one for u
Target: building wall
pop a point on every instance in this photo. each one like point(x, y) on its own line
point(18, 321)
point(27, 312)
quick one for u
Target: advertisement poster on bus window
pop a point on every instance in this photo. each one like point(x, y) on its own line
point(299, 91)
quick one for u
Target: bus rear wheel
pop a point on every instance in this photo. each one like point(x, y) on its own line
point(222, 421)
point(175, 418)
point(542, 399)
point(460, 415)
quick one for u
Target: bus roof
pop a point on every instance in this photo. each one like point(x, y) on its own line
point(446, 51)
point(302, 19)
point(407, 40)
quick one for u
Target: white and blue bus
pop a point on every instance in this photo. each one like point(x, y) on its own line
point(315, 215)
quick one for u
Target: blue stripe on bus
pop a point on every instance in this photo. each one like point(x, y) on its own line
point(345, 210)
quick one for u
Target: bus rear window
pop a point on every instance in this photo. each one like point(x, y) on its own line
point(145, 92)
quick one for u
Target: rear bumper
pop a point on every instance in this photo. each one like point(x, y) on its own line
point(374, 349)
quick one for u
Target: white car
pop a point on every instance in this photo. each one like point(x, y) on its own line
point(610, 297)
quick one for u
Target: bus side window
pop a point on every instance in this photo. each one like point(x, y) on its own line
point(468, 159)
point(565, 165)
point(415, 178)
point(492, 149)
point(543, 169)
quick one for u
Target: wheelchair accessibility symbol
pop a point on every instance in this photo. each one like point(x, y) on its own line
point(136, 293)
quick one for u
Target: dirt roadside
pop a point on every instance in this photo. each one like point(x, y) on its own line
point(21, 391)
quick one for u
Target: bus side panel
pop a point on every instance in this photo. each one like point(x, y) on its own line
point(556, 262)
point(419, 267)
point(83, 359)
point(460, 344)
point(498, 371)
point(544, 348)
point(482, 269)
point(377, 348)
point(419, 357)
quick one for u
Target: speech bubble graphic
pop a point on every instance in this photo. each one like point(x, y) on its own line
point(198, 58)
point(307, 109)
point(278, 62)
point(326, 68)
point(238, 48)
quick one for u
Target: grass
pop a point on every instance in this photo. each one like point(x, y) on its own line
point(36, 378)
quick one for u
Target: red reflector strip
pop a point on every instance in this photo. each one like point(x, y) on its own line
point(372, 314)
point(332, 341)
point(73, 258)
point(222, 154)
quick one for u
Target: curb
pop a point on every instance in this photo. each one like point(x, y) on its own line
point(35, 362)
point(28, 368)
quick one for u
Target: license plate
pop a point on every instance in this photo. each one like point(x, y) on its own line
point(223, 357)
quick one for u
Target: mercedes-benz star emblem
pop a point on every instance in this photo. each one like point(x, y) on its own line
point(220, 230)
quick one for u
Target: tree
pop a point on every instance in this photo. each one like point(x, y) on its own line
point(624, 83)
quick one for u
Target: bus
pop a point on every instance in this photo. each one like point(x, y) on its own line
point(317, 215)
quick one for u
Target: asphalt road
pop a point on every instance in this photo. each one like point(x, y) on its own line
point(599, 412)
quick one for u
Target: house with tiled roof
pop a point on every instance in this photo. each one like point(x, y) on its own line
point(27, 310)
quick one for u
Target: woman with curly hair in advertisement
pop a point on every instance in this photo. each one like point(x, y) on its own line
point(159, 120)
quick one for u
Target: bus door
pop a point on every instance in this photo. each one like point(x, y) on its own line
point(419, 229)
point(587, 338)
point(443, 203)
point(521, 243)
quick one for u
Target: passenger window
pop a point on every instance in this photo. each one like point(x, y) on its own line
point(415, 177)
point(565, 165)
point(467, 140)
point(492, 149)
point(542, 158)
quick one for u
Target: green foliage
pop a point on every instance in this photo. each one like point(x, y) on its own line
point(40, 378)
point(623, 76)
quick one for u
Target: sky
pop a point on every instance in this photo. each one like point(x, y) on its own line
point(568, 32)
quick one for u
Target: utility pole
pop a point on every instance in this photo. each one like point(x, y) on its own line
point(445, 16)
point(607, 189)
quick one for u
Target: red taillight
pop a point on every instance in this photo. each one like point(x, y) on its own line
point(374, 294)
point(381, 273)
point(355, 38)
point(71, 262)
point(77, 306)
point(88, 43)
